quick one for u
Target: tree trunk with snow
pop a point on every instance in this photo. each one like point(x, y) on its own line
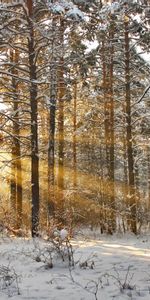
point(112, 135)
point(52, 121)
point(34, 122)
point(129, 135)
point(74, 136)
point(61, 93)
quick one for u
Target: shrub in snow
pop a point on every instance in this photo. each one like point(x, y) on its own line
point(58, 246)
point(9, 280)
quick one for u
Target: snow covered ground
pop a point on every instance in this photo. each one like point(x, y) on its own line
point(106, 268)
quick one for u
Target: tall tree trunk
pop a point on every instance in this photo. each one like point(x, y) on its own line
point(106, 125)
point(109, 127)
point(52, 117)
point(13, 191)
point(129, 137)
point(19, 184)
point(148, 162)
point(61, 93)
point(34, 124)
point(75, 138)
point(16, 181)
point(125, 186)
point(111, 143)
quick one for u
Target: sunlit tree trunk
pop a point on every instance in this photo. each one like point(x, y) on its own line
point(107, 58)
point(16, 169)
point(106, 127)
point(74, 137)
point(125, 187)
point(52, 120)
point(112, 139)
point(13, 191)
point(129, 136)
point(148, 161)
point(19, 185)
point(61, 93)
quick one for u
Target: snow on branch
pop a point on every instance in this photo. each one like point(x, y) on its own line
point(67, 9)
point(143, 95)
point(75, 14)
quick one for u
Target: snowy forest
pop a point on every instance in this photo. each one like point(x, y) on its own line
point(74, 110)
point(75, 149)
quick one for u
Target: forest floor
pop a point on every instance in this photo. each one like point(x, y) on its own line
point(115, 267)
